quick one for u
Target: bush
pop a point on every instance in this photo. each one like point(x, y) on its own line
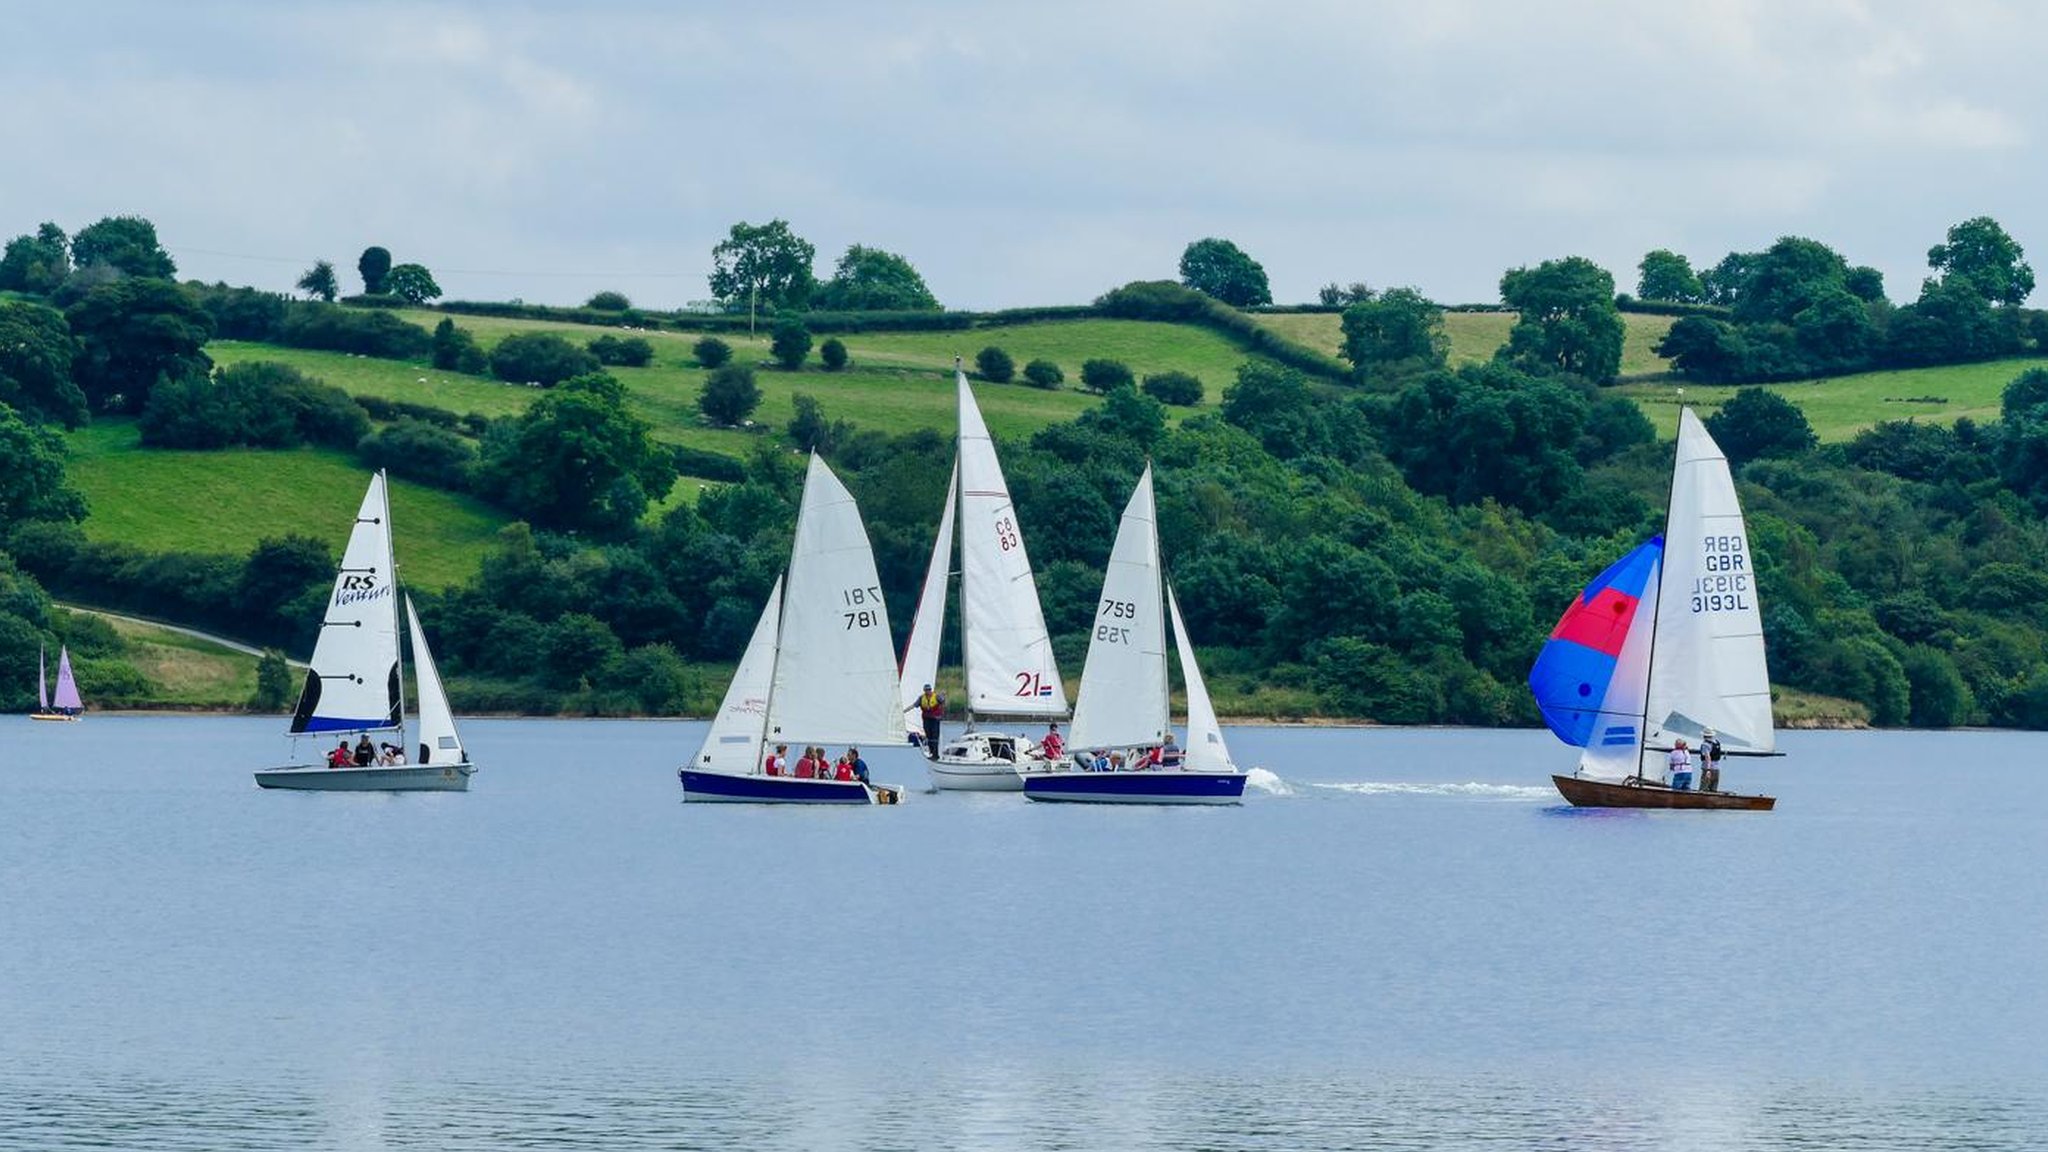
point(1105, 375)
point(995, 365)
point(711, 352)
point(832, 353)
point(791, 343)
point(608, 302)
point(331, 328)
point(416, 450)
point(1044, 374)
point(378, 408)
point(630, 352)
point(1177, 388)
point(260, 404)
point(541, 358)
point(709, 465)
point(455, 350)
point(730, 394)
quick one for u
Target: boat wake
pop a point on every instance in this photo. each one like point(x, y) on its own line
point(1268, 782)
point(1468, 791)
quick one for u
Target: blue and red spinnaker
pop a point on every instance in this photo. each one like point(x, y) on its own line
point(1574, 673)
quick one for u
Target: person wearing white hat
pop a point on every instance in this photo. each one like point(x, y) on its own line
point(1710, 761)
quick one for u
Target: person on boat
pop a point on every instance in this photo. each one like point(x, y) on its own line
point(1101, 763)
point(340, 757)
point(1116, 761)
point(931, 707)
point(1679, 763)
point(1051, 747)
point(777, 760)
point(1171, 756)
point(1710, 761)
point(1154, 757)
point(859, 766)
point(807, 765)
point(366, 752)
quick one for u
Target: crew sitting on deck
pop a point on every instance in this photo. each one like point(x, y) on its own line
point(366, 752)
point(1152, 758)
point(340, 757)
point(843, 770)
point(1051, 747)
point(1171, 755)
point(777, 762)
point(806, 767)
point(1101, 761)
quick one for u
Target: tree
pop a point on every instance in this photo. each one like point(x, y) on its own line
point(320, 283)
point(994, 364)
point(763, 266)
point(730, 394)
point(711, 351)
point(869, 279)
point(1980, 254)
point(1177, 388)
point(576, 460)
point(1105, 375)
point(1567, 321)
point(412, 283)
point(373, 266)
point(1044, 374)
point(124, 242)
point(37, 263)
point(627, 352)
point(32, 484)
point(1724, 283)
point(1223, 270)
point(274, 683)
point(1786, 278)
point(1488, 432)
point(791, 343)
point(832, 353)
point(1335, 295)
point(809, 428)
point(455, 350)
point(608, 301)
point(36, 354)
point(1666, 275)
point(1755, 423)
point(132, 333)
point(1396, 334)
point(541, 358)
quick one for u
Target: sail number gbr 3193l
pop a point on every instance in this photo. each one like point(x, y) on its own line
point(861, 607)
point(1723, 585)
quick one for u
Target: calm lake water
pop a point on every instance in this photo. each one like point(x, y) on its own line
point(1402, 941)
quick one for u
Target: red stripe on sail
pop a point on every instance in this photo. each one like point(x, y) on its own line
point(1600, 623)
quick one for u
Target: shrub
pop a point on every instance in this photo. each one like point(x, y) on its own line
point(832, 353)
point(416, 450)
point(730, 394)
point(260, 404)
point(379, 408)
point(541, 358)
point(455, 350)
point(1044, 374)
point(995, 365)
point(1174, 388)
point(811, 430)
point(791, 343)
point(331, 328)
point(709, 465)
point(1105, 375)
point(608, 302)
point(630, 351)
point(711, 352)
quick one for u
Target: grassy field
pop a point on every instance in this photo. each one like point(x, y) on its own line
point(188, 672)
point(227, 501)
point(1841, 406)
point(1475, 336)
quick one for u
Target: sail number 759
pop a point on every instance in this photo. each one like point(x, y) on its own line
point(864, 607)
point(1113, 610)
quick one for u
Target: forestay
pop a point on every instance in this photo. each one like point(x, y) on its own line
point(1122, 701)
point(734, 742)
point(835, 665)
point(1707, 667)
point(921, 653)
point(1206, 751)
point(439, 743)
point(353, 681)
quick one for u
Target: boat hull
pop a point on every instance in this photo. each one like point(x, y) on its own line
point(71, 716)
point(700, 786)
point(1165, 786)
point(392, 778)
point(1584, 793)
point(975, 776)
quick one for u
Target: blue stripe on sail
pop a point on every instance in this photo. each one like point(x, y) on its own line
point(343, 724)
point(1619, 735)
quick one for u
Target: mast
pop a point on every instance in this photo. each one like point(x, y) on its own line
point(1657, 609)
point(960, 542)
point(397, 625)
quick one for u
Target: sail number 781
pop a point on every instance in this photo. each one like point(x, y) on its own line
point(863, 607)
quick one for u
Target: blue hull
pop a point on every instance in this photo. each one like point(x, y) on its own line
point(1163, 787)
point(756, 789)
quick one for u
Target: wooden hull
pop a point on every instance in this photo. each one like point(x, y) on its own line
point(72, 716)
point(1584, 793)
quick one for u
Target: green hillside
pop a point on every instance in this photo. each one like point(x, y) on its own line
point(1475, 336)
point(1838, 407)
point(185, 671)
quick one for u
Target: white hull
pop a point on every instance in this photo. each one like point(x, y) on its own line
point(978, 776)
point(395, 778)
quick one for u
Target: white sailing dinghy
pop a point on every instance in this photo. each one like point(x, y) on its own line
point(354, 686)
point(65, 705)
point(820, 668)
point(1006, 653)
point(1666, 644)
point(1123, 702)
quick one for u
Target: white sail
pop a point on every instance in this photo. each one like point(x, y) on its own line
point(734, 742)
point(835, 664)
point(439, 742)
point(1008, 655)
point(1122, 702)
point(1618, 758)
point(353, 681)
point(42, 680)
point(921, 651)
point(66, 696)
point(1707, 668)
point(1206, 751)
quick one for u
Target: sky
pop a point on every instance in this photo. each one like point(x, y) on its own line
point(1024, 153)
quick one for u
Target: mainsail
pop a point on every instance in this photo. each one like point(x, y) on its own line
point(66, 698)
point(1590, 678)
point(1206, 751)
point(1708, 668)
point(353, 681)
point(921, 652)
point(42, 680)
point(734, 742)
point(439, 743)
point(1122, 700)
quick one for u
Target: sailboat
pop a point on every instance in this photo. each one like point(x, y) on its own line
point(354, 686)
point(65, 705)
point(1006, 653)
point(1666, 644)
point(820, 667)
point(1123, 702)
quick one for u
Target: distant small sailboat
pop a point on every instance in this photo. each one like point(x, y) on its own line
point(65, 705)
point(1006, 652)
point(820, 667)
point(354, 685)
point(1123, 703)
point(1665, 646)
